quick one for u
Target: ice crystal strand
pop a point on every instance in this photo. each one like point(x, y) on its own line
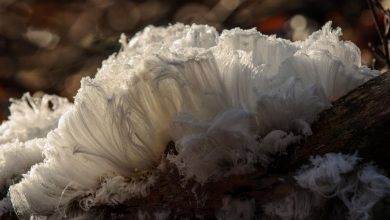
point(235, 98)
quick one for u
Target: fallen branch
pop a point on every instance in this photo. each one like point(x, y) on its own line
point(359, 121)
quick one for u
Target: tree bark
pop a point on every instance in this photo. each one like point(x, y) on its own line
point(358, 122)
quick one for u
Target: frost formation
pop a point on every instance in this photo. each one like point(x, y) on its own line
point(228, 101)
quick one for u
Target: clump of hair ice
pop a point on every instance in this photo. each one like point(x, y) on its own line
point(22, 137)
point(228, 101)
point(333, 175)
point(337, 175)
point(32, 117)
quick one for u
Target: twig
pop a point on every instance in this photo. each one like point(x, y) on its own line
point(385, 35)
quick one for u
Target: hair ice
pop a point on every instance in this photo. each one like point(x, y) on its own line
point(232, 99)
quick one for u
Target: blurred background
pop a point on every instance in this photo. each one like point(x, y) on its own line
point(48, 45)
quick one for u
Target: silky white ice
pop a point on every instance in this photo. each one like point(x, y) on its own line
point(32, 117)
point(195, 87)
point(22, 137)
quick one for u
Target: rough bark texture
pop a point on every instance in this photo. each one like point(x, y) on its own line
point(359, 121)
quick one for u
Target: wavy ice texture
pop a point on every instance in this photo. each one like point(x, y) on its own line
point(324, 174)
point(16, 158)
point(117, 189)
point(32, 117)
point(363, 191)
point(22, 136)
point(277, 141)
point(188, 84)
point(207, 151)
point(359, 191)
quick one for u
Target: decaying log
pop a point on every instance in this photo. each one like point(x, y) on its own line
point(359, 121)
